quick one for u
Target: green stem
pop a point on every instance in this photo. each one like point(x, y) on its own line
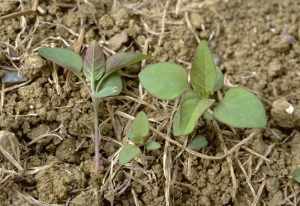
point(97, 135)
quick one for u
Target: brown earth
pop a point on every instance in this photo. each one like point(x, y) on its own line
point(258, 42)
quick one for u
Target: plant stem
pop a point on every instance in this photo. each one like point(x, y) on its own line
point(97, 136)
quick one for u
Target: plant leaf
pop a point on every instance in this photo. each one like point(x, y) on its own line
point(94, 62)
point(176, 124)
point(111, 86)
point(198, 142)
point(64, 58)
point(219, 80)
point(240, 108)
point(134, 137)
point(203, 72)
point(208, 116)
point(128, 153)
point(296, 175)
point(164, 80)
point(152, 145)
point(120, 60)
point(192, 108)
point(140, 125)
point(106, 92)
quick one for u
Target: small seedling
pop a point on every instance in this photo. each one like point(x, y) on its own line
point(138, 133)
point(296, 175)
point(198, 143)
point(101, 74)
point(239, 108)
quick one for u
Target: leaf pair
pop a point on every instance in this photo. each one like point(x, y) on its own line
point(167, 81)
point(192, 107)
point(139, 130)
point(94, 66)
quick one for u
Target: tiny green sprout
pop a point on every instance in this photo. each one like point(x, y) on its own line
point(239, 108)
point(102, 75)
point(138, 133)
point(296, 175)
point(198, 143)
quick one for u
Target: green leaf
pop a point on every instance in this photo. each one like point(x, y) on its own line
point(240, 108)
point(198, 142)
point(152, 145)
point(296, 175)
point(176, 124)
point(203, 72)
point(192, 108)
point(94, 62)
point(128, 153)
point(219, 80)
point(64, 58)
point(208, 116)
point(164, 80)
point(140, 125)
point(111, 86)
point(120, 60)
point(134, 137)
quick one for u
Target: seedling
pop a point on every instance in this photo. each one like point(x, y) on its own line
point(101, 74)
point(296, 175)
point(138, 133)
point(198, 143)
point(239, 108)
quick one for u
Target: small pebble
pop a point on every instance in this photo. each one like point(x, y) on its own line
point(12, 77)
point(10, 143)
point(117, 41)
point(270, 17)
point(272, 185)
point(289, 38)
point(217, 59)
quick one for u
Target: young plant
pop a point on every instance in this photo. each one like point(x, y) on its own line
point(239, 108)
point(138, 133)
point(198, 143)
point(296, 175)
point(102, 75)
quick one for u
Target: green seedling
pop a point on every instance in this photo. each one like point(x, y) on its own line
point(102, 75)
point(198, 143)
point(296, 175)
point(239, 108)
point(138, 133)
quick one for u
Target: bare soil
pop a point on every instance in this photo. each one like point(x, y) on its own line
point(258, 42)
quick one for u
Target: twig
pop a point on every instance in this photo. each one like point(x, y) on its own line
point(229, 160)
point(21, 13)
point(77, 50)
point(163, 23)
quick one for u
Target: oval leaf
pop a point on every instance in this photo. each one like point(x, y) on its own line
point(219, 80)
point(120, 60)
point(164, 80)
point(191, 109)
point(176, 124)
point(140, 125)
point(152, 145)
point(198, 142)
point(240, 108)
point(93, 67)
point(111, 86)
point(208, 116)
point(107, 91)
point(296, 175)
point(64, 58)
point(203, 72)
point(128, 153)
point(134, 137)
